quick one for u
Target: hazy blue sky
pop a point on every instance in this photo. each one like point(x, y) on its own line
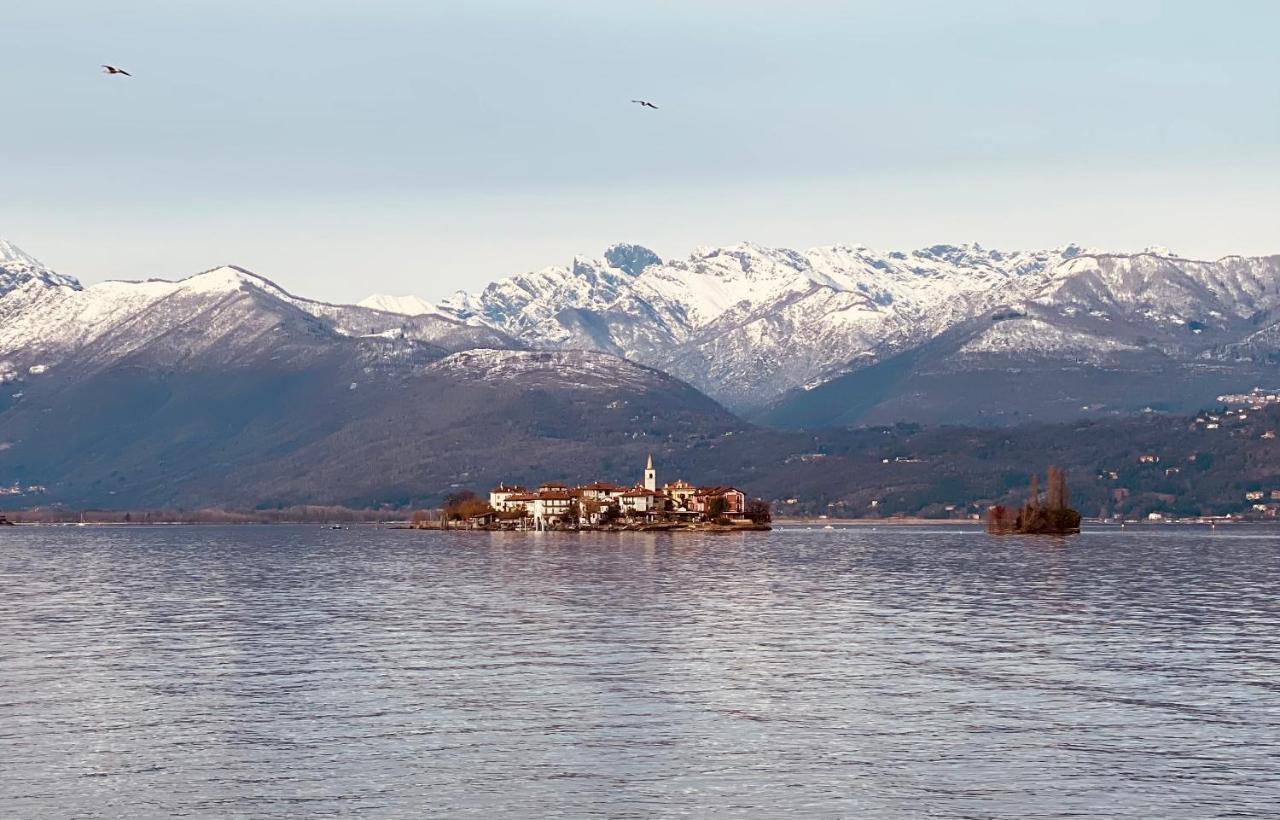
point(414, 146)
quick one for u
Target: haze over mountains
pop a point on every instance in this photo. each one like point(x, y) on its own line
point(224, 388)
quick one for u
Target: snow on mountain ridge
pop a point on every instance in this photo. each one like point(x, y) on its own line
point(747, 322)
point(406, 305)
point(117, 316)
point(743, 323)
point(17, 268)
point(534, 369)
point(42, 318)
point(10, 252)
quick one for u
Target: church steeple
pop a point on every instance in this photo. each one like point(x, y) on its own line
point(650, 475)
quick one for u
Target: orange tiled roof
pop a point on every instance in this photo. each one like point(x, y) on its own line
point(717, 490)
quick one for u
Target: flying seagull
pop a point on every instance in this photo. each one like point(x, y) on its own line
point(645, 104)
point(110, 69)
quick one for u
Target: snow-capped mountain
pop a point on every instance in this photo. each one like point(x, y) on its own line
point(747, 323)
point(407, 305)
point(17, 269)
point(46, 318)
point(225, 388)
point(1095, 306)
point(751, 326)
point(1095, 334)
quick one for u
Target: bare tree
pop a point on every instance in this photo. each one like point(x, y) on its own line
point(1059, 498)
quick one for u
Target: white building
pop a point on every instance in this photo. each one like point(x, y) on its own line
point(551, 506)
point(640, 500)
point(601, 491)
point(500, 494)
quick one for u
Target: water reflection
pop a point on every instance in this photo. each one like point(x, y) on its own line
point(284, 671)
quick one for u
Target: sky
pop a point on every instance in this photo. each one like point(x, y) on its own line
point(415, 146)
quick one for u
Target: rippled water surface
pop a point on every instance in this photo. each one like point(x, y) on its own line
point(888, 672)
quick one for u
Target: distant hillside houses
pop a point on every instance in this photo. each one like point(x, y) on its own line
point(557, 506)
point(1256, 399)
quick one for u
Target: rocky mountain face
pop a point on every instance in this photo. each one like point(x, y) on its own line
point(745, 324)
point(227, 313)
point(760, 328)
point(18, 269)
point(1102, 334)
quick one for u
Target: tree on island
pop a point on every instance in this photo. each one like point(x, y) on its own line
point(759, 511)
point(573, 515)
point(463, 505)
point(610, 513)
point(717, 507)
point(1049, 516)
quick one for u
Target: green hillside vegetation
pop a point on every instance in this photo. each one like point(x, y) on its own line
point(1128, 466)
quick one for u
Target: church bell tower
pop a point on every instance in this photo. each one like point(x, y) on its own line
point(650, 476)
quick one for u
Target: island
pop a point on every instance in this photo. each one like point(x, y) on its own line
point(601, 505)
point(1051, 515)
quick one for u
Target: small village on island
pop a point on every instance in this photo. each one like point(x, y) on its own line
point(676, 505)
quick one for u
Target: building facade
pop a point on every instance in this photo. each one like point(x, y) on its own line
point(555, 505)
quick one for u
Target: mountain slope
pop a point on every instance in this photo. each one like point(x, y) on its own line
point(45, 319)
point(755, 326)
point(1104, 334)
point(352, 421)
point(746, 323)
point(227, 371)
point(18, 269)
point(224, 388)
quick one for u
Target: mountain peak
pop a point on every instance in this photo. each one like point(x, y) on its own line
point(408, 305)
point(10, 252)
point(229, 277)
point(17, 267)
point(631, 258)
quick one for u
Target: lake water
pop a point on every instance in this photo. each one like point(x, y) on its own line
point(876, 673)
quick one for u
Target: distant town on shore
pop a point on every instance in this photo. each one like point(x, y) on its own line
point(602, 505)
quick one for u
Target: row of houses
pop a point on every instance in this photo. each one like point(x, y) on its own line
point(18, 489)
point(1255, 399)
point(554, 505)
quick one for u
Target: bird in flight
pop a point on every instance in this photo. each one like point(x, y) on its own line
point(110, 69)
point(645, 104)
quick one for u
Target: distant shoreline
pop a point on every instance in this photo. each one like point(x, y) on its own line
point(864, 522)
point(786, 523)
